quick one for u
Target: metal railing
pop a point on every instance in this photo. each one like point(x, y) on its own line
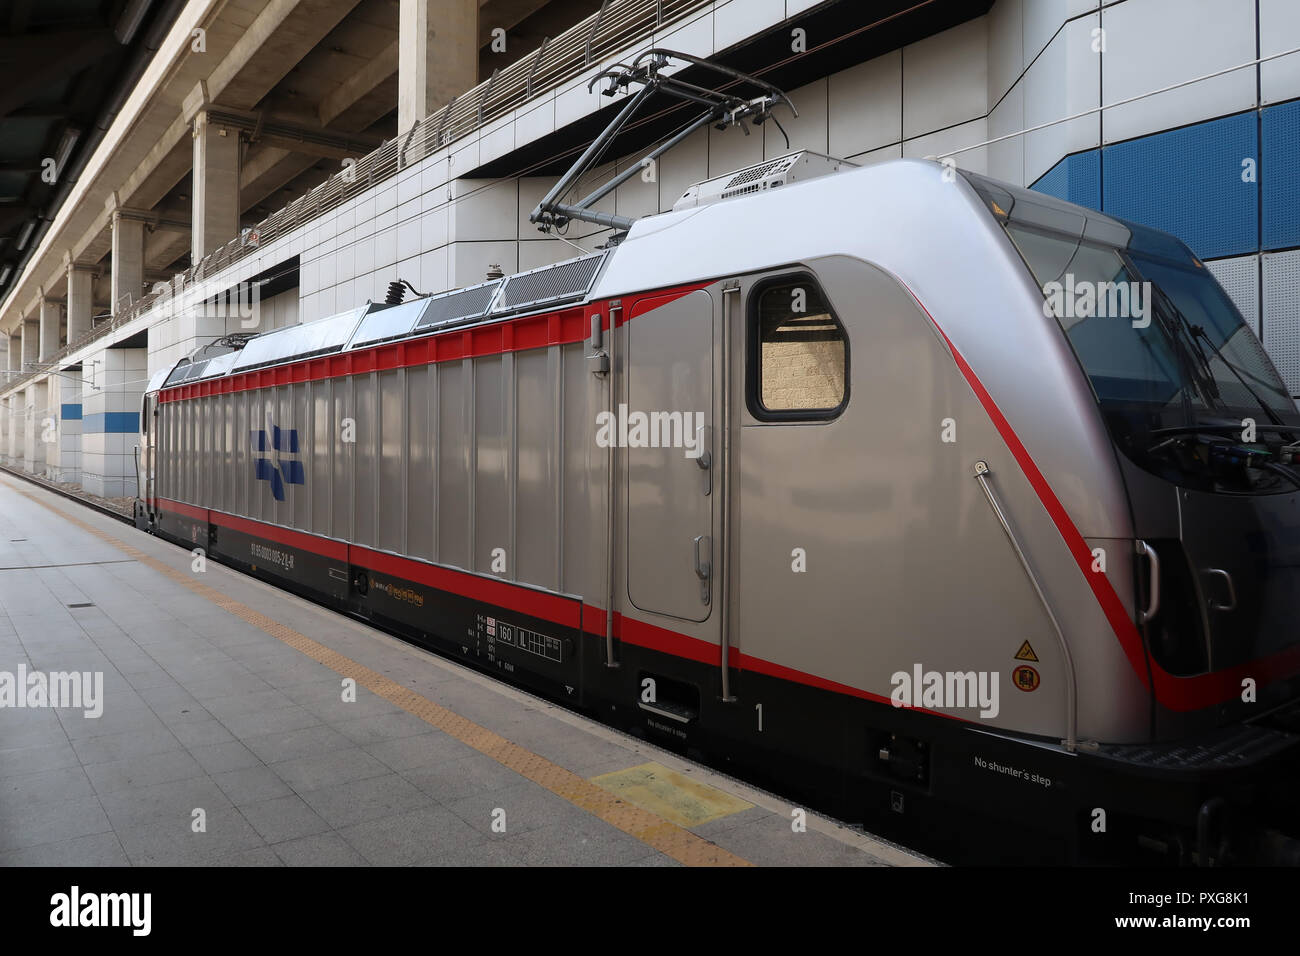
point(618, 25)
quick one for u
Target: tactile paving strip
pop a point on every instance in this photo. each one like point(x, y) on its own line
point(652, 830)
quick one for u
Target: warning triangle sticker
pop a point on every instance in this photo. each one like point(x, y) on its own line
point(1026, 653)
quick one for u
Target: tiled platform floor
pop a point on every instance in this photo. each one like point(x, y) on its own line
point(220, 745)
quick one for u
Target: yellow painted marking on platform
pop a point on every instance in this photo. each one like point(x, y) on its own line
point(671, 795)
point(650, 828)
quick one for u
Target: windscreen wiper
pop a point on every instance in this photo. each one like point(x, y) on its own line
point(1196, 332)
point(1205, 382)
point(1180, 352)
point(1199, 332)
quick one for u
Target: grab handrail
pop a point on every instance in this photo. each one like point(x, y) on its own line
point(982, 473)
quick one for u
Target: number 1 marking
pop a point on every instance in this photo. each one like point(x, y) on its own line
point(759, 708)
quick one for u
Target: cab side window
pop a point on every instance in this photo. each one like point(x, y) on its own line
point(798, 358)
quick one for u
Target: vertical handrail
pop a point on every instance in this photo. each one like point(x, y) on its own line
point(724, 495)
point(1153, 597)
point(982, 473)
point(139, 478)
point(612, 557)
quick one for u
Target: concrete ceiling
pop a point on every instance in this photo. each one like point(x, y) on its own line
point(319, 72)
point(345, 84)
point(62, 63)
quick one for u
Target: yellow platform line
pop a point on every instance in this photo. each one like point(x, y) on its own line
point(650, 828)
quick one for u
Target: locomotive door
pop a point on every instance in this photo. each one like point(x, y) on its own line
point(664, 432)
point(1246, 553)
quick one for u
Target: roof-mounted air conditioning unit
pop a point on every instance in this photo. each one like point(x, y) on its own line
point(791, 168)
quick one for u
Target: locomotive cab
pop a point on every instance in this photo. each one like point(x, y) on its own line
point(1206, 437)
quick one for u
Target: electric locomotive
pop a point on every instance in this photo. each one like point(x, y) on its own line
point(945, 492)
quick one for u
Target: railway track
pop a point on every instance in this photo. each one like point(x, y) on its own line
point(70, 495)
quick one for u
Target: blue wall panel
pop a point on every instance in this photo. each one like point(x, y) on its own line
point(1279, 162)
point(71, 412)
point(1076, 179)
point(1188, 182)
point(112, 423)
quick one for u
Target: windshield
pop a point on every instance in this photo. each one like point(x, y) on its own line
point(1186, 389)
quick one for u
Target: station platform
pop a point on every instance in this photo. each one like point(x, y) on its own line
point(229, 732)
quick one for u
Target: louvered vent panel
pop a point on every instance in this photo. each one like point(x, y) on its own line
point(567, 280)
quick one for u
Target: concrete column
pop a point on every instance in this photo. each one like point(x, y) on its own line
point(31, 346)
point(216, 186)
point(128, 261)
point(51, 323)
point(61, 427)
point(46, 425)
point(437, 56)
point(31, 428)
point(80, 307)
point(47, 428)
point(13, 354)
point(17, 427)
point(111, 421)
point(65, 402)
point(13, 449)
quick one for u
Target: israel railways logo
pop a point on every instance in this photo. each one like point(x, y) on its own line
point(277, 469)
